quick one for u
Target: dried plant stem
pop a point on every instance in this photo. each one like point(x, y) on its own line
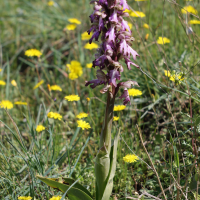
point(151, 162)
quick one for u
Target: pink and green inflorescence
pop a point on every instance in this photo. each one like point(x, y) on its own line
point(116, 36)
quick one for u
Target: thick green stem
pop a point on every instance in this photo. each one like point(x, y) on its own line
point(102, 165)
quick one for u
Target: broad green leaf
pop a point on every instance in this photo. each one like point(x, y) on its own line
point(73, 193)
point(70, 181)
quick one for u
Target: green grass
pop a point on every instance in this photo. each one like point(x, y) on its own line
point(167, 113)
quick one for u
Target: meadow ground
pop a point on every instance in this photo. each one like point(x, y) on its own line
point(166, 110)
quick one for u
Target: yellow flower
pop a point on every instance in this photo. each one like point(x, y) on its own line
point(40, 128)
point(2, 82)
point(50, 3)
point(56, 198)
point(54, 115)
point(85, 36)
point(83, 124)
point(81, 115)
point(72, 98)
point(119, 107)
point(0, 69)
point(74, 21)
point(189, 9)
point(6, 104)
point(70, 27)
point(128, 11)
point(89, 65)
point(38, 85)
point(33, 52)
point(115, 118)
point(163, 40)
point(167, 73)
point(88, 99)
point(21, 103)
point(130, 158)
point(194, 21)
point(13, 82)
point(137, 14)
point(130, 25)
point(146, 26)
point(24, 198)
point(55, 87)
point(91, 46)
point(147, 36)
point(75, 68)
point(134, 92)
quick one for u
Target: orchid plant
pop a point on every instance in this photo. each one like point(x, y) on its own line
point(116, 40)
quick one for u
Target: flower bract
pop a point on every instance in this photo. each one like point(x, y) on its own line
point(72, 98)
point(130, 158)
point(163, 40)
point(119, 107)
point(54, 115)
point(38, 84)
point(81, 115)
point(6, 104)
point(55, 87)
point(83, 124)
point(33, 52)
point(91, 46)
point(134, 92)
point(40, 128)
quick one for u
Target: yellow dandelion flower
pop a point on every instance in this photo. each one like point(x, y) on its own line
point(2, 82)
point(163, 40)
point(88, 99)
point(24, 198)
point(50, 3)
point(38, 84)
point(21, 103)
point(89, 65)
point(13, 82)
point(115, 118)
point(83, 124)
point(91, 46)
point(74, 21)
point(119, 107)
point(81, 115)
point(55, 87)
point(70, 27)
point(33, 52)
point(134, 92)
point(130, 25)
point(54, 115)
point(194, 21)
point(189, 9)
point(130, 158)
point(85, 36)
point(40, 128)
point(167, 73)
point(56, 198)
point(72, 98)
point(127, 11)
point(75, 69)
point(137, 14)
point(6, 104)
point(146, 26)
